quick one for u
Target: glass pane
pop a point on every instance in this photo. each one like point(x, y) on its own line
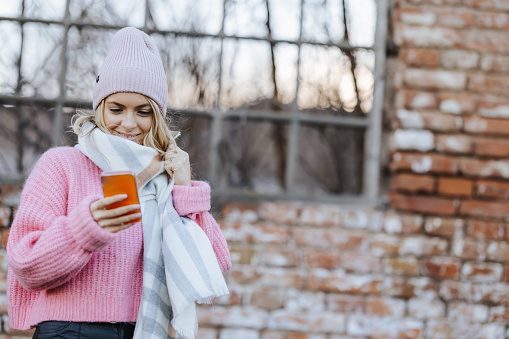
point(10, 40)
point(247, 73)
point(285, 19)
point(286, 56)
point(116, 13)
point(195, 140)
point(203, 16)
point(192, 69)
point(323, 21)
point(246, 18)
point(330, 160)
point(87, 48)
point(41, 60)
point(11, 9)
point(35, 124)
point(44, 9)
point(253, 155)
point(361, 16)
point(328, 81)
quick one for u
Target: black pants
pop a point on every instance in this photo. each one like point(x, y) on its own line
point(75, 330)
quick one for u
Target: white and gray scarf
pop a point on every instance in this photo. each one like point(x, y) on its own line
point(179, 264)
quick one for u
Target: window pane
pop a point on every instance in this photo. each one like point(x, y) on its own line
point(285, 19)
point(286, 56)
point(246, 18)
point(330, 160)
point(30, 125)
point(247, 73)
point(364, 75)
point(44, 9)
point(253, 155)
point(120, 13)
point(203, 16)
point(361, 16)
point(323, 21)
point(87, 48)
point(192, 69)
point(195, 140)
point(40, 66)
point(10, 40)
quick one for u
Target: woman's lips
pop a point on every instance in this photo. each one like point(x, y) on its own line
point(128, 136)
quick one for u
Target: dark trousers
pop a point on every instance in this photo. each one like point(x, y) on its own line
point(76, 330)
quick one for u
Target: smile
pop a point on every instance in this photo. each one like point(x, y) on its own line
point(128, 136)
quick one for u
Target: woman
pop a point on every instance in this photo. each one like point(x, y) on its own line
point(77, 269)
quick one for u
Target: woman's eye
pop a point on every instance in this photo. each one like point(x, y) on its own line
point(144, 112)
point(115, 110)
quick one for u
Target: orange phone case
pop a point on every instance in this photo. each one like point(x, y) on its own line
point(121, 182)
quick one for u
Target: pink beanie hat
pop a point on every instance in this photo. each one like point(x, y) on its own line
point(133, 64)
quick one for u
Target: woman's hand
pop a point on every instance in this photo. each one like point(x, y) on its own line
point(113, 220)
point(176, 163)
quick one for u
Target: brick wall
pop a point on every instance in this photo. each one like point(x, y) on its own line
point(436, 263)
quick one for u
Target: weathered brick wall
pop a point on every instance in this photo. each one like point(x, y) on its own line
point(436, 264)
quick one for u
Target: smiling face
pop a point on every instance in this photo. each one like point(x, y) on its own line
point(128, 115)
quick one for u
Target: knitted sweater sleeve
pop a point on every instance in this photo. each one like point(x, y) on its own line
point(48, 245)
point(194, 203)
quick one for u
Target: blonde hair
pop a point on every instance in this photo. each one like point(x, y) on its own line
point(159, 137)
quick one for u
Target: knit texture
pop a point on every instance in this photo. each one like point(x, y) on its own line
point(62, 265)
point(133, 64)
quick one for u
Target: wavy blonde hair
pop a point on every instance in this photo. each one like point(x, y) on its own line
point(159, 137)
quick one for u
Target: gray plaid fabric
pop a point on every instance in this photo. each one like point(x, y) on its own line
point(179, 264)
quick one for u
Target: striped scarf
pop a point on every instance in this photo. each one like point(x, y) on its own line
point(179, 264)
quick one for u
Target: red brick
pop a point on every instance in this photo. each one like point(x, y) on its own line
point(440, 122)
point(469, 249)
point(236, 316)
point(460, 329)
point(360, 262)
point(383, 244)
point(492, 189)
point(240, 211)
point(424, 163)
point(506, 273)
point(454, 17)
point(495, 63)
point(424, 204)
point(482, 272)
point(401, 266)
point(491, 148)
point(280, 257)
point(254, 233)
point(485, 168)
point(420, 99)
point(455, 186)
point(233, 298)
point(280, 212)
point(481, 208)
point(390, 307)
point(384, 327)
point(339, 282)
point(412, 139)
point(434, 79)
point(397, 223)
point(297, 321)
point(320, 215)
point(443, 226)
point(429, 37)
point(410, 287)
point(426, 308)
point(441, 267)
point(413, 183)
point(468, 312)
point(415, 15)
point(458, 59)
point(499, 313)
point(457, 103)
point(458, 144)
point(304, 301)
point(483, 229)
point(5, 216)
point(420, 245)
point(267, 277)
point(268, 298)
point(492, 106)
point(498, 251)
point(330, 238)
point(488, 126)
point(488, 83)
point(421, 57)
point(344, 303)
point(496, 293)
point(492, 20)
point(488, 4)
point(486, 41)
point(322, 258)
point(242, 255)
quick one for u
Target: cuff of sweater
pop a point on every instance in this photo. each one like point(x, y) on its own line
point(85, 230)
point(191, 199)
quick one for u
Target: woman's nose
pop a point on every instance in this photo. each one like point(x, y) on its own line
point(129, 122)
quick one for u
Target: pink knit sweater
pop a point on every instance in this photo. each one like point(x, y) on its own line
point(63, 265)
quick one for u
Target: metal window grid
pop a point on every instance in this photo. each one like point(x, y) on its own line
point(372, 123)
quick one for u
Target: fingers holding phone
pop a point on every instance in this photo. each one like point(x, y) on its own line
point(115, 219)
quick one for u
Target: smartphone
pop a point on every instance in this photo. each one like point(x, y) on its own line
point(121, 182)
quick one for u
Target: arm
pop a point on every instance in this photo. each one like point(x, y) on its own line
point(49, 245)
point(194, 203)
